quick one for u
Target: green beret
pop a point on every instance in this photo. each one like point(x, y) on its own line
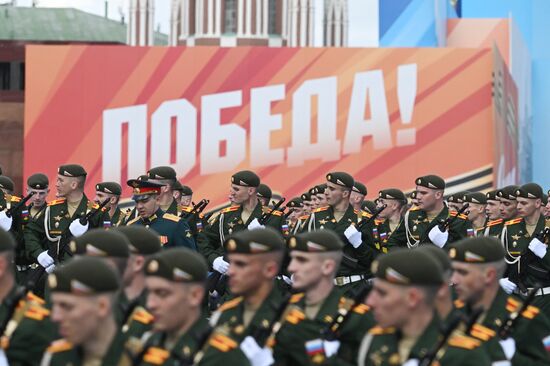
point(483, 249)
point(71, 170)
point(7, 243)
point(162, 172)
point(38, 181)
point(369, 206)
point(177, 265)
point(264, 191)
point(321, 188)
point(438, 254)
point(143, 189)
point(544, 199)
point(312, 191)
point(306, 196)
point(457, 197)
point(392, 194)
point(245, 178)
point(101, 243)
point(430, 181)
point(530, 190)
point(185, 190)
point(508, 192)
point(109, 187)
point(408, 267)
point(475, 197)
point(295, 202)
point(6, 183)
point(141, 240)
point(492, 195)
point(84, 276)
point(316, 241)
point(359, 188)
point(143, 177)
point(412, 195)
point(255, 241)
point(341, 179)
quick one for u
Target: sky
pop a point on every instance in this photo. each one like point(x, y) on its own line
point(162, 14)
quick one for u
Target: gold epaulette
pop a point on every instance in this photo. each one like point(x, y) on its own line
point(513, 221)
point(230, 209)
point(156, 356)
point(56, 202)
point(512, 304)
point(35, 298)
point(414, 208)
point(377, 330)
point(495, 222)
point(222, 342)
point(305, 217)
point(531, 312)
point(277, 213)
point(61, 345)
point(171, 217)
point(379, 221)
point(361, 309)
point(15, 199)
point(320, 209)
point(461, 216)
point(482, 332)
point(461, 341)
point(142, 316)
point(186, 208)
point(459, 304)
point(295, 315)
point(266, 209)
point(296, 297)
point(366, 214)
point(133, 220)
point(231, 304)
point(37, 312)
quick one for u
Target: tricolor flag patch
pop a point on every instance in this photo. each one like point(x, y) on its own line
point(107, 224)
point(546, 343)
point(314, 347)
point(383, 236)
point(470, 232)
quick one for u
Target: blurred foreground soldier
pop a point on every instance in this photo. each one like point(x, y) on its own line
point(46, 235)
point(30, 330)
point(316, 257)
point(495, 222)
point(83, 298)
point(402, 301)
point(175, 281)
point(264, 194)
point(390, 218)
point(39, 184)
point(111, 191)
point(357, 196)
point(476, 212)
point(421, 222)
point(173, 231)
point(6, 185)
point(478, 265)
point(165, 176)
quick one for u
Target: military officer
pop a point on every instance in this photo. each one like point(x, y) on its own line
point(175, 280)
point(264, 194)
point(389, 218)
point(421, 222)
point(402, 301)
point(316, 257)
point(30, 331)
point(165, 176)
point(478, 264)
point(111, 191)
point(357, 196)
point(173, 231)
point(495, 222)
point(83, 299)
point(47, 235)
point(476, 212)
point(38, 184)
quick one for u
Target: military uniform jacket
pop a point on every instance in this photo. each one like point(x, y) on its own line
point(195, 222)
point(380, 348)
point(63, 353)
point(356, 261)
point(119, 218)
point(227, 222)
point(133, 317)
point(493, 228)
point(381, 233)
point(29, 331)
point(20, 218)
point(531, 331)
point(290, 349)
point(45, 233)
point(415, 227)
point(173, 231)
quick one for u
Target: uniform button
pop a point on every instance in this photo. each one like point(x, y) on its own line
point(147, 226)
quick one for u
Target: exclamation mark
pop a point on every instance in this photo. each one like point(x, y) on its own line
point(406, 95)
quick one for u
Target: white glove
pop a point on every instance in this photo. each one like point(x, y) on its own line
point(50, 268)
point(538, 247)
point(507, 285)
point(3, 358)
point(44, 259)
point(509, 347)
point(411, 362)
point(353, 236)
point(331, 347)
point(220, 265)
point(438, 237)
point(77, 228)
point(256, 355)
point(255, 224)
point(5, 221)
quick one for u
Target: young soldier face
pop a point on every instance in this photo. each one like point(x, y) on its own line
point(388, 302)
point(306, 270)
point(245, 273)
point(38, 199)
point(321, 199)
point(147, 207)
point(475, 211)
point(264, 201)
point(453, 206)
point(469, 281)
point(102, 196)
point(508, 209)
point(527, 206)
point(427, 198)
point(65, 185)
point(239, 194)
point(492, 209)
point(335, 194)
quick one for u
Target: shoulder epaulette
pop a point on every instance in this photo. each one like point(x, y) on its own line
point(465, 342)
point(361, 309)
point(15, 199)
point(366, 214)
point(277, 213)
point(295, 315)
point(142, 316)
point(459, 304)
point(512, 304)
point(379, 221)
point(56, 202)
point(531, 312)
point(320, 209)
point(222, 342)
point(171, 217)
point(377, 330)
point(305, 217)
point(231, 304)
point(513, 221)
point(37, 312)
point(296, 297)
point(482, 332)
point(135, 219)
point(266, 209)
point(60, 345)
point(495, 222)
point(186, 208)
point(156, 356)
point(37, 299)
point(230, 209)
point(414, 208)
point(461, 216)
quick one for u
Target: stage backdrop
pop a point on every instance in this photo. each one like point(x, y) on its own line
point(290, 114)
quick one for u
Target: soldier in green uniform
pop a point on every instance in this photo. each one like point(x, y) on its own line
point(390, 218)
point(508, 202)
point(165, 176)
point(183, 194)
point(6, 185)
point(306, 199)
point(321, 196)
point(295, 209)
point(30, 331)
point(173, 231)
point(83, 298)
point(38, 184)
point(175, 280)
point(264, 194)
point(519, 237)
point(46, 235)
point(476, 212)
point(402, 301)
point(421, 222)
point(477, 266)
point(357, 196)
point(316, 257)
point(495, 222)
point(111, 191)
point(456, 200)
point(369, 206)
